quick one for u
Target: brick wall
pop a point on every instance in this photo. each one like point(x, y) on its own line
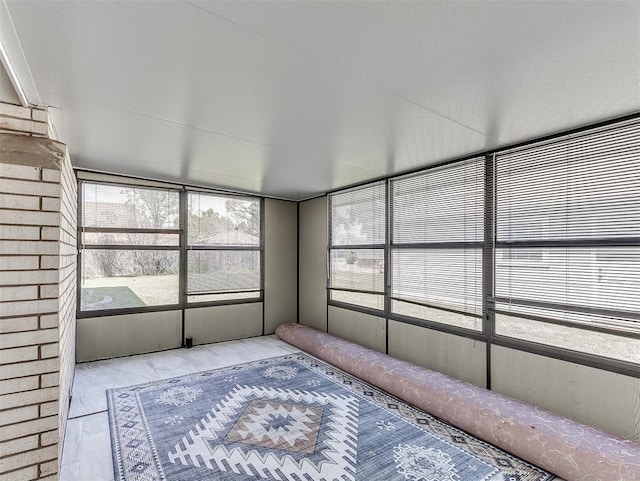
point(37, 294)
point(67, 289)
point(31, 122)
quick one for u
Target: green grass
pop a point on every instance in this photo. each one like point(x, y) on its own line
point(111, 297)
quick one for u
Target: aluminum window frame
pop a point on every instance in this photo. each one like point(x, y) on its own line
point(81, 229)
point(434, 246)
point(354, 247)
point(489, 248)
point(182, 246)
point(213, 248)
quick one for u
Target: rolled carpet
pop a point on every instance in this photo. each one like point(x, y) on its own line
point(568, 449)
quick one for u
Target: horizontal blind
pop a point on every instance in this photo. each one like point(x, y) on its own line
point(440, 205)
point(218, 220)
point(357, 239)
point(436, 243)
point(222, 271)
point(585, 187)
point(568, 229)
point(357, 216)
point(126, 207)
point(361, 269)
point(444, 278)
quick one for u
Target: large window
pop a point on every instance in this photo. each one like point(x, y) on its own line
point(130, 247)
point(543, 255)
point(224, 248)
point(356, 247)
point(140, 250)
point(567, 269)
point(436, 244)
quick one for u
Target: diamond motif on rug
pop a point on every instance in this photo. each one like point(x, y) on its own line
point(305, 421)
point(280, 372)
point(417, 463)
point(256, 429)
point(278, 425)
point(179, 396)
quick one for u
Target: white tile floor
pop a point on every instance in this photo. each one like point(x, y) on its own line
point(86, 455)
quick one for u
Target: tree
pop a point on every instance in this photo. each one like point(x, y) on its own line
point(106, 261)
point(152, 209)
point(203, 228)
point(246, 214)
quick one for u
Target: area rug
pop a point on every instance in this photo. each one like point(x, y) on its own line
point(290, 418)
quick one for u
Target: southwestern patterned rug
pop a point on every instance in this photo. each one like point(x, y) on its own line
point(290, 418)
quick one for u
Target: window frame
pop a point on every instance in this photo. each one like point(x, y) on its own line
point(434, 246)
point(181, 247)
point(213, 248)
point(546, 244)
point(82, 246)
point(488, 334)
point(354, 247)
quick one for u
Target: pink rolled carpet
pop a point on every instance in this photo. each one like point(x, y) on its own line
point(571, 450)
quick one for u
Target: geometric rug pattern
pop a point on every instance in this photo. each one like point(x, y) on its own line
point(291, 418)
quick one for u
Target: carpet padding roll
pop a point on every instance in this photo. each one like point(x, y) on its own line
point(568, 449)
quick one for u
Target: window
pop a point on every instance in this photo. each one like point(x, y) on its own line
point(437, 235)
point(129, 247)
point(135, 245)
point(356, 246)
point(224, 248)
point(571, 210)
point(556, 272)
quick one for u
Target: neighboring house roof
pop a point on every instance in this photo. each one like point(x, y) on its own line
point(106, 214)
point(231, 237)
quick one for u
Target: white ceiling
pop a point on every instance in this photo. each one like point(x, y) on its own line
point(291, 99)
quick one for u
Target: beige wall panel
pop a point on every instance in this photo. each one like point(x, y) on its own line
point(280, 263)
point(363, 329)
point(456, 356)
point(591, 396)
point(223, 323)
point(113, 336)
point(313, 263)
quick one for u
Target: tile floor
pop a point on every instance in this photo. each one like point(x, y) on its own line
point(86, 455)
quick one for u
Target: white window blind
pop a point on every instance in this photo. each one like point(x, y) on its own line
point(127, 207)
point(357, 239)
point(216, 220)
point(436, 244)
point(568, 231)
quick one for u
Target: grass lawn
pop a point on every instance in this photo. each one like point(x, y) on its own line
point(150, 290)
point(112, 297)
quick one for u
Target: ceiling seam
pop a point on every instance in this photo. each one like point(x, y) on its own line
point(345, 73)
point(153, 117)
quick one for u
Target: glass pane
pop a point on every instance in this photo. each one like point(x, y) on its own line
point(361, 269)
point(580, 188)
point(436, 315)
point(222, 270)
point(223, 221)
point(602, 277)
point(372, 301)
point(358, 216)
point(223, 297)
point(576, 339)
point(116, 279)
point(106, 205)
point(440, 205)
point(448, 278)
point(110, 238)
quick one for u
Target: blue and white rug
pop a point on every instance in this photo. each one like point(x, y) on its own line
point(290, 418)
